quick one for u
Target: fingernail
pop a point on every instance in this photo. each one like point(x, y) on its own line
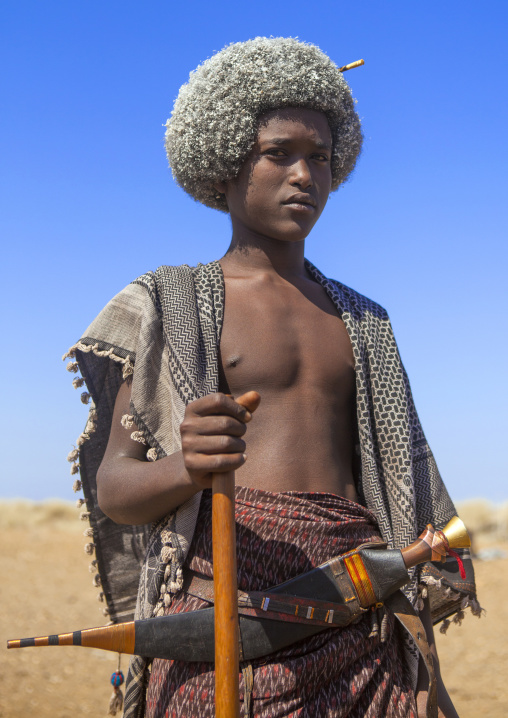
point(248, 416)
point(244, 457)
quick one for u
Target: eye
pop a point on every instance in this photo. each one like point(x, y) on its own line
point(274, 152)
point(321, 157)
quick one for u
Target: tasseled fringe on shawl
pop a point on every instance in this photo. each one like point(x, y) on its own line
point(431, 581)
point(466, 602)
point(168, 553)
point(473, 604)
point(173, 580)
point(127, 369)
point(73, 455)
point(127, 421)
point(128, 366)
point(73, 458)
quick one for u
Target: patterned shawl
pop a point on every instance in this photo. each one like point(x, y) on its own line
point(167, 325)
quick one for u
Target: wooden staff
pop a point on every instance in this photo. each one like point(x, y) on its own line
point(227, 697)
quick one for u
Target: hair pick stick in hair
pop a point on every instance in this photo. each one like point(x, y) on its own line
point(352, 65)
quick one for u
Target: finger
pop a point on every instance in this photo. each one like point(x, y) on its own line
point(219, 404)
point(214, 426)
point(222, 444)
point(214, 463)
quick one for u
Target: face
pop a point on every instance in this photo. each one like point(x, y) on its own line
point(284, 184)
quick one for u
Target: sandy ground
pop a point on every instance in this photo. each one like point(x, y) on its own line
point(46, 588)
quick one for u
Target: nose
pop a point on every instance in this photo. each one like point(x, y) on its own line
point(300, 174)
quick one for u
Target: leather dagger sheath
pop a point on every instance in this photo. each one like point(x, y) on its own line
point(334, 594)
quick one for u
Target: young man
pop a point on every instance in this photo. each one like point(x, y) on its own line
point(333, 457)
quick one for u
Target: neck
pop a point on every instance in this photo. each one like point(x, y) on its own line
point(249, 254)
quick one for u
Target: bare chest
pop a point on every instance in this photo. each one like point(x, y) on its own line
point(277, 340)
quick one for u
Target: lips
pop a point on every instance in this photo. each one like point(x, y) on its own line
point(302, 199)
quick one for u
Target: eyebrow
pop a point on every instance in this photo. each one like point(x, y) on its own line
point(286, 141)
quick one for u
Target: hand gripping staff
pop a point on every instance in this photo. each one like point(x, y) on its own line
point(336, 593)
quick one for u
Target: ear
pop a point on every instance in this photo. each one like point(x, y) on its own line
point(220, 187)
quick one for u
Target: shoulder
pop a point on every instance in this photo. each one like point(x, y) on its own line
point(148, 288)
point(132, 299)
point(116, 328)
point(364, 304)
point(184, 270)
point(146, 282)
point(164, 277)
point(348, 299)
point(177, 286)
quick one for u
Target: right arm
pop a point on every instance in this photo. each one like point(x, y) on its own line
point(132, 490)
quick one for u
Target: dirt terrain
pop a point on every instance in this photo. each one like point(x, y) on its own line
point(46, 588)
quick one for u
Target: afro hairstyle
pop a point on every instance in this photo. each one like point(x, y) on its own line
point(215, 118)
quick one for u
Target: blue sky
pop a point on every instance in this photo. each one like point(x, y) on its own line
point(88, 202)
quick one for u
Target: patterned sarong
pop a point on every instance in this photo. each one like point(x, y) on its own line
point(339, 672)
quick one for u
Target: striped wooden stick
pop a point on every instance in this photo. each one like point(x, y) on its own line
point(119, 638)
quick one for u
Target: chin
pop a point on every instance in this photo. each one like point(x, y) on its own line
point(296, 232)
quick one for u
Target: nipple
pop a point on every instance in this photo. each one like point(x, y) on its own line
point(233, 360)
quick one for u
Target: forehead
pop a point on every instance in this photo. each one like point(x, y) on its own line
point(294, 123)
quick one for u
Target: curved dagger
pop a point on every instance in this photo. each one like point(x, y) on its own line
point(189, 636)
